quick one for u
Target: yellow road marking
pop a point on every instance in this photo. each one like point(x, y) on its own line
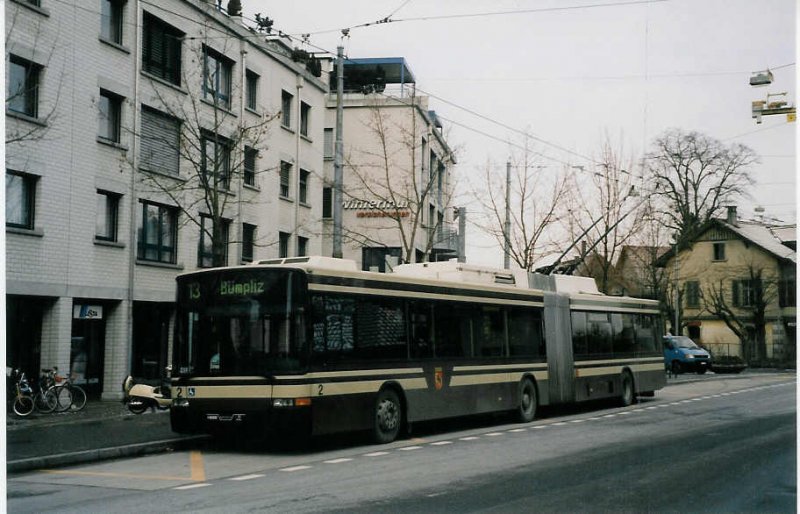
point(108, 474)
point(198, 469)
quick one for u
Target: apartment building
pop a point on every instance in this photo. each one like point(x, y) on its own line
point(397, 169)
point(144, 139)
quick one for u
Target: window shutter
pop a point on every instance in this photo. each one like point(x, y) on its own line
point(735, 289)
point(159, 142)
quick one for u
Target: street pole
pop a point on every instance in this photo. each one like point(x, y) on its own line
point(675, 329)
point(507, 227)
point(338, 175)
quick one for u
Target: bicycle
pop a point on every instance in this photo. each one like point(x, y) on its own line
point(52, 381)
point(46, 398)
point(76, 393)
point(23, 401)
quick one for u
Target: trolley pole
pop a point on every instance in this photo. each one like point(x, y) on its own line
point(507, 227)
point(338, 175)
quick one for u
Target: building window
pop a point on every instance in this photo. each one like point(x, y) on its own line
point(746, 293)
point(161, 49)
point(286, 176)
point(302, 193)
point(719, 251)
point(302, 246)
point(157, 233)
point(283, 245)
point(217, 73)
point(206, 254)
point(111, 20)
point(286, 109)
point(160, 142)
point(251, 87)
point(248, 242)
point(23, 87)
point(20, 200)
point(107, 216)
point(327, 202)
point(250, 158)
point(787, 292)
point(216, 160)
point(305, 112)
point(692, 294)
point(110, 116)
point(328, 147)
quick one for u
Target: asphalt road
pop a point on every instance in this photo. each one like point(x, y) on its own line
point(723, 445)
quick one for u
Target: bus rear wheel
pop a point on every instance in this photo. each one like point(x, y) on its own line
point(628, 396)
point(526, 411)
point(388, 417)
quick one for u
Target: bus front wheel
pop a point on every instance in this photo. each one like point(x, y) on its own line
point(526, 412)
point(388, 417)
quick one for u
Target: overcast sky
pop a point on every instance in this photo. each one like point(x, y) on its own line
point(571, 71)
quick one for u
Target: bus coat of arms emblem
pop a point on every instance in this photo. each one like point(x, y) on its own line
point(438, 378)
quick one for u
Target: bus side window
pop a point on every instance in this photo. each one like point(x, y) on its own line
point(421, 329)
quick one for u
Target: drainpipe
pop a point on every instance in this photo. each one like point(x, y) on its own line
point(297, 167)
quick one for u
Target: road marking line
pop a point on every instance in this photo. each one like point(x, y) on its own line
point(493, 434)
point(191, 486)
point(626, 413)
point(540, 427)
point(294, 468)
point(409, 448)
point(337, 461)
point(197, 467)
point(560, 423)
point(470, 438)
point(610, 416)
point(247, 477)
point(650, 408)
point(375, 454)
point(577, 421)
point(441, 443)
point(515, 430)
point(108, 474)
point(594, 419)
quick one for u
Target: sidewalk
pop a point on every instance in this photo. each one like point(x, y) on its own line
point(102, 430)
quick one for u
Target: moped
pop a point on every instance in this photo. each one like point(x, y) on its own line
point(140, 397)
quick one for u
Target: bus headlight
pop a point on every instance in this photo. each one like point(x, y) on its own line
point(689, 356)
point(180, 402)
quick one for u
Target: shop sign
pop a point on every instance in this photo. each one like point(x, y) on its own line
point(87, 311)
point(377, 209)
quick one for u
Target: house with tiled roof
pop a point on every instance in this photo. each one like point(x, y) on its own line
point(736, 283)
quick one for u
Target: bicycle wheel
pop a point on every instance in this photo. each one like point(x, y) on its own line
point(46, 401)
point(78, 397)
point(64, 396)
point(23, 406)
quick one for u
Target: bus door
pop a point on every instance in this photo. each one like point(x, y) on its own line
point(558, 333)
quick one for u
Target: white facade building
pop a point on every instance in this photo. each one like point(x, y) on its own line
point(110, 110)
point(397, 168)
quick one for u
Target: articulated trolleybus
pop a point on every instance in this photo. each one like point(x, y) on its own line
point(312, 345)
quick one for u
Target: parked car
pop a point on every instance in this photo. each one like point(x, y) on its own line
point(682, 354)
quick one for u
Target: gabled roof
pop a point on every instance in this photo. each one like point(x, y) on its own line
point(759, 234)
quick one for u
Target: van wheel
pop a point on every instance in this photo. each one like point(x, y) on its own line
point(627, 397)
point(677, 369)
point(388, 417)
point(526, 411)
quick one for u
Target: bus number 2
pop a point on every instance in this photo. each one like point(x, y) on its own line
point(319, 389)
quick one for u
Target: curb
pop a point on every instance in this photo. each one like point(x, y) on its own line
point(98, 454)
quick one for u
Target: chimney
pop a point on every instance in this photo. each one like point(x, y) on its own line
point(732, 218)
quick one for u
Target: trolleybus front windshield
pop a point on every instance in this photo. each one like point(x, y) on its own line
point(240, 322)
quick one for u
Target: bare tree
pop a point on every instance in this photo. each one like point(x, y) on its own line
point(536, 202)
point(602, 214)
point(388, 174)
point(742, 303)
point(219, 147)
point(694, 176)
